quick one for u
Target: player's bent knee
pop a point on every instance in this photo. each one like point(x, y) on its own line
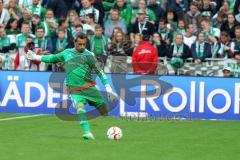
point(103, 109)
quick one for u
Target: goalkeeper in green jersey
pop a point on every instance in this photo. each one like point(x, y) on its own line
point(79, 66)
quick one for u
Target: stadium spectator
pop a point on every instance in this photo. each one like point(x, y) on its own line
point(42, 42)
point(149, 14)
point(160, 45)
point(115, 30)
point(229, 25)
point(158, 10)
point(89, 23)
point(224, 47)
point(60, 44)
point(224, 10)
point(87, 8)
point(25, 18)
point(177, 8)
point(171, 21)
point(166, 34)
point(97, 4)
point(64, 25)
point(58, 7)
point(200, 49)
point(145, 58)
point(21, 41)
point(119, 45)
point(7, 50)
point(5, 16)
point(73, 21)
point(217, 19)
point(113, 22)
point(99, 45)
point(189, 37)
point(50, 23)
point(213, 41)
point(178, 52)
point(125, 10)
point(14, 10)
point(235, 45)
point(38, 9)
point(193, 16)
point(63, 41)
point(207, 8)
point(4, 39)
point(142, 25)
point(136, 41)
point(25, 3)
point(209, 30)
point(35, 22)
point(120, 5)
point(181, 28)
point(11, 27)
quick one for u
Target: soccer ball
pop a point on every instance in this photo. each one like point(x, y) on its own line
point(114, 133)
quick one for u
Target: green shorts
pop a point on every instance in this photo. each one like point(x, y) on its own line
point(91, 96)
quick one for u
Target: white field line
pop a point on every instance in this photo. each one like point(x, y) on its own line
point(21, 117)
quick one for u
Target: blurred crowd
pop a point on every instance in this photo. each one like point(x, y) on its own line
point(142, 29)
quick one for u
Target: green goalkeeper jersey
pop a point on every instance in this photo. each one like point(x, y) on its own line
point(79, 67)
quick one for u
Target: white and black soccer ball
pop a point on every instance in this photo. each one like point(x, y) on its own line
point(114, 133)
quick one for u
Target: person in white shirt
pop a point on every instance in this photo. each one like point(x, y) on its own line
point(189, 37)
point(88, 8)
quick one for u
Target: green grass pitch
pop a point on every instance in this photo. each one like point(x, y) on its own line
point(48, 138)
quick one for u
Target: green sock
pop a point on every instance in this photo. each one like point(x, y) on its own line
point(82, 118)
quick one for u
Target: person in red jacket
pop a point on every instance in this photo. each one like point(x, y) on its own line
point(145, 58)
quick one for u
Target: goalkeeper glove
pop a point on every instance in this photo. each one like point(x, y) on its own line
point(111, 95)
point(33, 56)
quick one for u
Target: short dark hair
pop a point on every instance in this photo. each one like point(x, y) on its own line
point(61, 30)
point(162, 20)
point(79, 26)
point(188, 25)
point(40, 27)
point(36, 16)
point(98, 26)
point(25, 23)
point(194, 4)
point(200, 32)
point(61, 21)
point(80, 35)
point(224, 33)
point(237, 27)
point(115, 10)
point(146, 37)
point(90, 15)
